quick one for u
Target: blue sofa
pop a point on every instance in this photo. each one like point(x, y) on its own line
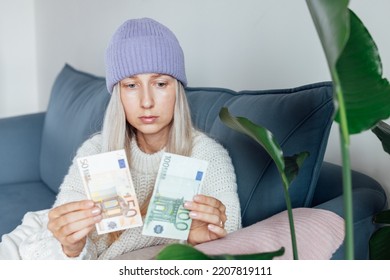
point(37, 149)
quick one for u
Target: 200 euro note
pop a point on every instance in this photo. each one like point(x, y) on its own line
point(107, 181)
point(179, 179)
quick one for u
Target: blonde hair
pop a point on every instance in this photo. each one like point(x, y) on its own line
point(117, 132)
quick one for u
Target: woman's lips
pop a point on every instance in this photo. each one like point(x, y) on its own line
point(148, 119)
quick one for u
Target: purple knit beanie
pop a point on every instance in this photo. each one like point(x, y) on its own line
point(143, 46)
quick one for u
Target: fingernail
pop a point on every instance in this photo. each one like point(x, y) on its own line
point(95, 210)
point(211, 227)
point(193, 214)
point(187, 204)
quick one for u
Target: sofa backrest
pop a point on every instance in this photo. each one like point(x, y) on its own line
point(299, 118)
point(76, 108)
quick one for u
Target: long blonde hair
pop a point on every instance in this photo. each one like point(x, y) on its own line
point(117, 132)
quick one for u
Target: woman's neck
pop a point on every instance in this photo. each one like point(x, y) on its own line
point(151, 144)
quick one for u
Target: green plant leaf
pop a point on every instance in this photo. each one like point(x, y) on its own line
point(361, 95)
point(187, 252)
point(382, 218)
point(288, 167)
point(258, 133)
point(293, 164)
point(354, 63)
point(181, 252)
point(379, 245)
point(366, 94)
point(382, 130)
point(258, 256)
point(331, 19)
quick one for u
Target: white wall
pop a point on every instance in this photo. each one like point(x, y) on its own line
point(18, 68)
point(251, 44)
point(226, 43)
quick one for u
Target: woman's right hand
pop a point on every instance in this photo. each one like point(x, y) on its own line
point(70, 224)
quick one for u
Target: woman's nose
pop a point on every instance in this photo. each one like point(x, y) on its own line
point(147, 101)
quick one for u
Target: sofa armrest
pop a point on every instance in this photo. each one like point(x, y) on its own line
point(20, 145)
point(366, 202)
point(330, 183)
point(368, 198)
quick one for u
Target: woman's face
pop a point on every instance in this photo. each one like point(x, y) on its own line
point(149, 101)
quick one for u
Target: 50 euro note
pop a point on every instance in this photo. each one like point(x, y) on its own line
point(107, 181)
point(179, 179)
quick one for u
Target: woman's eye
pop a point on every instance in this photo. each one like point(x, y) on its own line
point(161, 84)
point(130, 85)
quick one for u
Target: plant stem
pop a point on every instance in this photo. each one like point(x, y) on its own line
point(347, 196)
point(346, 167)
point(291, 221)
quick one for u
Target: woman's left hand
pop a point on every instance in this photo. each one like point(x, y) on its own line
point(208, 219)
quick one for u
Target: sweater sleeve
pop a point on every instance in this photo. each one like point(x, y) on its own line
point(39, 242)
point(220, 181)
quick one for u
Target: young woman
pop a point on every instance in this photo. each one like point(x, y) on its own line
point(147, 115)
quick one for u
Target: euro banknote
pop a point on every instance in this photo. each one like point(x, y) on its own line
point(178, 180)
point(107, 181)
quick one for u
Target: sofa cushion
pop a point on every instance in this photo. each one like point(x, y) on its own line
point(319, 233)
point(76, 110)
point(300, 119)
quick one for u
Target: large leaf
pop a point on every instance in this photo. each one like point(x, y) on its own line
point(366, 94)
point(181, 252)
point(331, 20)
point(258, 256)
point(379, 244)
point(361, 95)
point(354, 64)
point(187, 252)
point(382, 130)
point(288, 167)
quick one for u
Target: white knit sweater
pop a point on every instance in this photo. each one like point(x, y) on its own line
point(220, 182)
